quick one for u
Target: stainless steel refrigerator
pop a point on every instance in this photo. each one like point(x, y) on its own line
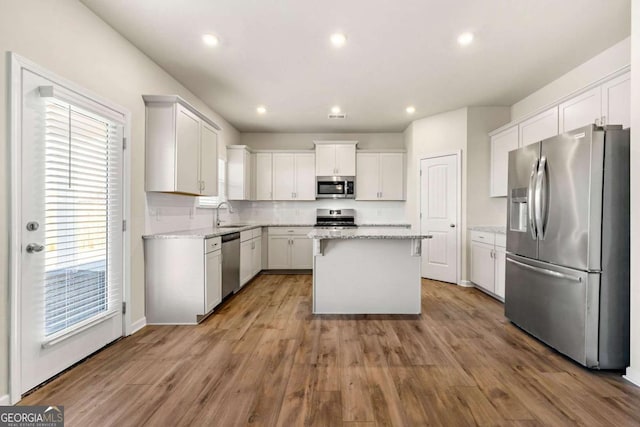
point(567, 272)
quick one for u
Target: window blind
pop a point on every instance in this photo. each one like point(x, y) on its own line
point(83, 217)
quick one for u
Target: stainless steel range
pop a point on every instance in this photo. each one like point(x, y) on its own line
point(336, 218)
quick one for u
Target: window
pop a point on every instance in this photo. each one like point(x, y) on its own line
point(212, 202)
point(82, 201)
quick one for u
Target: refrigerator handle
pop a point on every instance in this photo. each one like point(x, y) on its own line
point(541, 197)
point(546, 271)
point(530, 200)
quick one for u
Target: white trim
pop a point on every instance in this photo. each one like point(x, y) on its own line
point(466, 284)
point(77, 328)
point(164, 99)
point(137, 325)
point(4, 400)
point(16, 64)
point(633, 376)
point(458, 154)
point(562, 99)
point(341, 142)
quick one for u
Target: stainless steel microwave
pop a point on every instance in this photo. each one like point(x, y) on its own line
point(335, 187)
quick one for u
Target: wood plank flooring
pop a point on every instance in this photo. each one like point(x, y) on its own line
point(264, 360)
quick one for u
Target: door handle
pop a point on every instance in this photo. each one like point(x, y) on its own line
point(530, 201)
point(34, 247)
point(545, 271)
point(541, 197)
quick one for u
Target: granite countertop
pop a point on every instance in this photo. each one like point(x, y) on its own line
point(208, 232)
point(368, 233)
point(497, 229)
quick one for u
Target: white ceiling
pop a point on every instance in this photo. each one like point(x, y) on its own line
point(398, 53)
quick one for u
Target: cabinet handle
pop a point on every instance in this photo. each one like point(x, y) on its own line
point(597, 121)
point(603, 121)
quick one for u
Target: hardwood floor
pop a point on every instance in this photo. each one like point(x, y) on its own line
point(263, 359)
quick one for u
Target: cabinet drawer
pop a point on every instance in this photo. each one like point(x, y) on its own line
point(501, 240)
point(246, 235)
point(289, 231)
point(256, 232)
point(212, 244)
point(482, 237)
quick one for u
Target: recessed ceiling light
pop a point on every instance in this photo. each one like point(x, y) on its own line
point(210, 40)
point(261, 109)
point(335, 109)
point(465, 38)
point(338, 39)
point(411, 109)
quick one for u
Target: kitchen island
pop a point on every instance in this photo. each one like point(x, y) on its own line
point(366, 271)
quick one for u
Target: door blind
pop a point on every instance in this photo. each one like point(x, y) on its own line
point(83, 217)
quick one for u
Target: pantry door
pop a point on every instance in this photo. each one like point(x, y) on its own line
point(70, 227)
point(439, 203)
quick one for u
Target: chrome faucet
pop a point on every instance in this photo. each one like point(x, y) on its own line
point(218, 211)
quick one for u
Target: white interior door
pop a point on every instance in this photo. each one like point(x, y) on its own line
point(438, 208)
point(71, 202)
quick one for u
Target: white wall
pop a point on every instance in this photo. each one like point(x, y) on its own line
point(607, 62)
point(633, 373)
point(68, 39)
point(442, 133)
point(482, 209)
point(304, 141)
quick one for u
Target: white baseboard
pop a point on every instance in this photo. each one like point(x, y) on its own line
point(465, 284)
point(4, 400)
point(138, 324)
point(632, 376)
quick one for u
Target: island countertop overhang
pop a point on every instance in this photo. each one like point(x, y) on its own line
point(367, 233)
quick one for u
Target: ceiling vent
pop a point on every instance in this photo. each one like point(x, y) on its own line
point(339, 116)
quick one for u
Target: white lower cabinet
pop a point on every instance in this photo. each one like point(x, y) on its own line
point(250, 254)
point(213, 281)
point(488, 258)
point(290, 248)
point(183, 279)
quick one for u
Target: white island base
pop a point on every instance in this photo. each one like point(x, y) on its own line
point(366, 275)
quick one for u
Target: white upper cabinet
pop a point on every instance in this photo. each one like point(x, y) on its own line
point(602, 104)
point(580, 110)
point(238, 172)
point(391, 176)
point(325, 160)
point(368, 177)
point(539, 127)
point(187, 152)
point(264, 176)
point(208, 160)
point(305, 176)
point(283, 176)
point(501, 144)
point(335, 158)
point(616, 101)
point(294, 176)
point(380, 176)
point(345, 159)
point(181, 148)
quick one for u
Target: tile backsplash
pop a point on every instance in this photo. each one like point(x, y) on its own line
point(172, 212)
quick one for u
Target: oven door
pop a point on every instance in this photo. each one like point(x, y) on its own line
point(330, 188)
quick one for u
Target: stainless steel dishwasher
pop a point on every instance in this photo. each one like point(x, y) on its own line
point(230, 264)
